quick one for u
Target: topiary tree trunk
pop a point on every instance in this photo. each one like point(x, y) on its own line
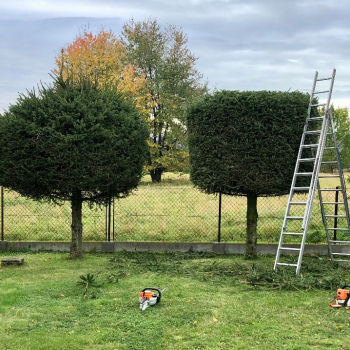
point(252, 224)
point(76, 248)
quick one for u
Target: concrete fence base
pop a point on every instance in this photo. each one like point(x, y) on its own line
point(111, 247)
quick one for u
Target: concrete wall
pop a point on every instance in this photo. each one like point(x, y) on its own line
point(110, 247)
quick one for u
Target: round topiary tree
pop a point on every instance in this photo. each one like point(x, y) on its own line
point(72, 142)
point(246, 144)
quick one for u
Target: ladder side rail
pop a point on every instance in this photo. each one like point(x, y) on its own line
point(342, 180)
point(330, 90)
point(312, 94)
point(312, 181)
point(307, 219)
point(340, 170)
point(324, 220)
point(316, 171)
point(312, 191)
point(278, 253)
point(291, 192)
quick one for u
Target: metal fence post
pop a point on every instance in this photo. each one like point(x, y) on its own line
point(219, 220)
point(2, 213)
point(113, 218)
point(108, 219)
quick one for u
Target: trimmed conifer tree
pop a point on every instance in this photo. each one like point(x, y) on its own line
point(72, 142)
point(246, 144)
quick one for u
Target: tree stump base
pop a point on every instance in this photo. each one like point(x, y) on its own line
point(12, 261)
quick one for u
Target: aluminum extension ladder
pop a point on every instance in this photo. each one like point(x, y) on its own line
point(318, 137)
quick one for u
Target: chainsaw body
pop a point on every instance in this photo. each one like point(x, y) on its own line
point(342, 297)
point(149, 297)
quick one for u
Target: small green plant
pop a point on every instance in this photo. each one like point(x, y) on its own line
point(87, 281)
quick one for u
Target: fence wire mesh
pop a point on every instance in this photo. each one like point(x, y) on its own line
point(165, 212)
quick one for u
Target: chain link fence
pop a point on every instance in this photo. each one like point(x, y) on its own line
point(166, 212)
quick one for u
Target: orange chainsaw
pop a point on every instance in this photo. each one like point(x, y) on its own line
point(342, 297)
point(148, 298)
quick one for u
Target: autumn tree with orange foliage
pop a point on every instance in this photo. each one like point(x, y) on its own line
point(102, 59)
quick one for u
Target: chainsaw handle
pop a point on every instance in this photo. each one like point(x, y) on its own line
point(344, 287)
point(151, 288)
point(156, 289)
point(334, 299)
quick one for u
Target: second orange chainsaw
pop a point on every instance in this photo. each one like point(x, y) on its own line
point(342, 297)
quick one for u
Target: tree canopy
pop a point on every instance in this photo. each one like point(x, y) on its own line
point(246, 144)
point(341, 122)
point(172, 81)
point(72, 142)
point(101, 58)
point(154, 68)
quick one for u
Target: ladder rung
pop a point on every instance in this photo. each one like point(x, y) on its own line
point(342, 254)
point(320, 92)
point(323, 176)
point(341, 260)
point(298, 203)
point(300, 188)
point(329, 148)
point(335, 216)
point(285, 264)
point(335, 241)
point(318, 105)
point(330, 162)
point(293, 233)
point(295, 217)
point(324, 79)
point(310, 132)
point(331, 189)
point(311, 145)
point(333, 202)
point(315, 118)
point(306, 159)
point(285, 248)
point(337, 229)
point(303, 174)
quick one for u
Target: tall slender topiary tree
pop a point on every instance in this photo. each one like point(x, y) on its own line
point(70, 142)
point(246, 144)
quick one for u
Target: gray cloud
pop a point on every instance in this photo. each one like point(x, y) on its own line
point(241, 45)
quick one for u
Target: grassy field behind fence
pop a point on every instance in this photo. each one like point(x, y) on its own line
point(171, 211)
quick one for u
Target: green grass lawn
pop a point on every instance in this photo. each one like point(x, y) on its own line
point(212, 302)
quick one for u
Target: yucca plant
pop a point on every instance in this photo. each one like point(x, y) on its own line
point(87, 281)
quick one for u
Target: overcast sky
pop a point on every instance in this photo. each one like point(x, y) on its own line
point(241, 44)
